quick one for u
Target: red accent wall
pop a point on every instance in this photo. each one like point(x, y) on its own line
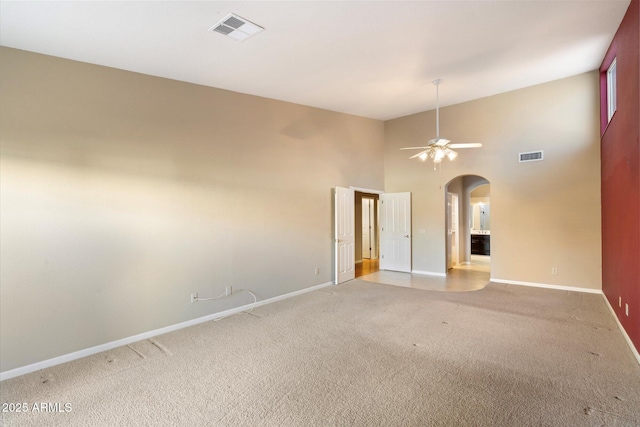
point(620, 151)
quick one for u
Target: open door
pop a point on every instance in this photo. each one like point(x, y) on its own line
point(395, 232)
point(452, 231)
point(344, 235)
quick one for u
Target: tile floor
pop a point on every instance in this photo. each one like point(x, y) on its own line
point(462, 278)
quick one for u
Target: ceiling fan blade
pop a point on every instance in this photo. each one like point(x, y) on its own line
point(466, 145)
point(414, 148)
point(419, 154)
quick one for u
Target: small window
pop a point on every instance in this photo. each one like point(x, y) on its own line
point(611, 89)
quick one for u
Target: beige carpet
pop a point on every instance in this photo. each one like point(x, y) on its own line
point(361, 354)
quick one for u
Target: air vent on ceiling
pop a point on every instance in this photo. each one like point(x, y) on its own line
point(531, 156)
point(236, 27)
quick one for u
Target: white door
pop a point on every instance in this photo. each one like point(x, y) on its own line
point(344, 235)
point(395, 232)
point(452, 230)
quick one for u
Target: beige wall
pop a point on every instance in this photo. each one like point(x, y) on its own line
point(482, 191)
point(543, 214)
point(123, 193)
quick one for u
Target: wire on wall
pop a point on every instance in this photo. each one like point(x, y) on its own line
point(224, 295)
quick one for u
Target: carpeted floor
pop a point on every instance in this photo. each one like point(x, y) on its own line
point(360, 354)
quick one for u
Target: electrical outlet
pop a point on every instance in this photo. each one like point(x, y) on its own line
point(619, 301)
point(228, 291)
point(626, 309)
point(317, 270)
point(554, 270)
point(194, 297)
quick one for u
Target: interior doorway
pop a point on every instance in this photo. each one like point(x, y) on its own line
point(367, 228)
point(391, 232)
point(468, 224)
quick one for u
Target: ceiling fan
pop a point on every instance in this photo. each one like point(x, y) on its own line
point(439, 148)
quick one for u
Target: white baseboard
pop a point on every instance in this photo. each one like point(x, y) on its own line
point(544, 285)
point(145, 335)
point(634, 350)
point(429, 273)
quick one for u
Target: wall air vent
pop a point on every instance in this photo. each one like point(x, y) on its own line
point(531, 156)
point(236, 27)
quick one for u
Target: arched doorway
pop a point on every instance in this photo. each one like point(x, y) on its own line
point(468, 224)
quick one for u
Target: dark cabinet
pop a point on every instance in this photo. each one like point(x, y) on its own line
point(481, 244)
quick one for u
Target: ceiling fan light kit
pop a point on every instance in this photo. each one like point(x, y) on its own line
point(439, 148)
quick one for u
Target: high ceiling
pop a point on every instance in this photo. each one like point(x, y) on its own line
point(370, 58)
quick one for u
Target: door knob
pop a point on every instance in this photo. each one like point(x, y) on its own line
point(406, 235)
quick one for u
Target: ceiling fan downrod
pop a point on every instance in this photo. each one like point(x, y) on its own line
point(439, 148)
point(437, 84)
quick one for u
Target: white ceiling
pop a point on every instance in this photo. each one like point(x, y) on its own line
point(370, 58)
